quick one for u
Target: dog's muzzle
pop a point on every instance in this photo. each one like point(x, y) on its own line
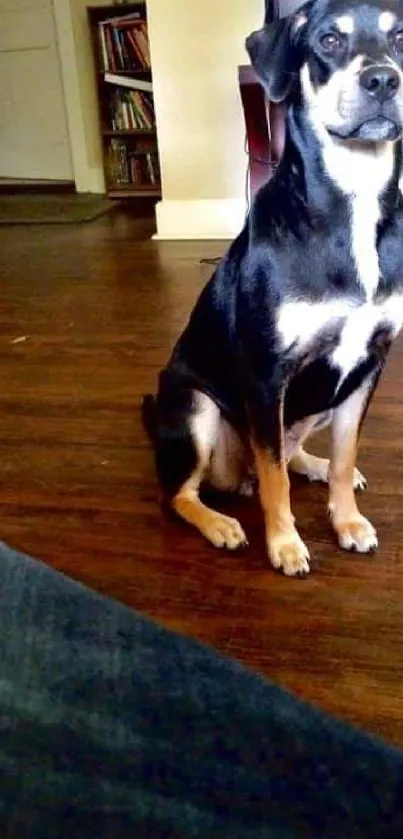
point(378, 113)
point(380, 84)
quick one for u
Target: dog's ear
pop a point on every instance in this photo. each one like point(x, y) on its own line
point(276, 55)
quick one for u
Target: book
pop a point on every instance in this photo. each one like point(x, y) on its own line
point(123, 43)
point(137, 167)
point(118, 47)
point(104, 49)
point(142, 40)
point(130, 109)
point(122, 20)
point(110, 59)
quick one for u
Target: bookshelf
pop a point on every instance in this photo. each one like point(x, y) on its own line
point(119, 38)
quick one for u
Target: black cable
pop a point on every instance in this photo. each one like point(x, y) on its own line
point(250, 159)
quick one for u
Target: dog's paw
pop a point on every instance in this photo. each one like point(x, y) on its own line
point(288, 554)
point(313, 468)
point(247, 488)
point(359, 481)
point(356, 534)
point(317, 469)
point(224, 532)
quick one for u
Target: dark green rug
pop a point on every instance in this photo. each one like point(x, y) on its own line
point(112, 727)
point(53, 209)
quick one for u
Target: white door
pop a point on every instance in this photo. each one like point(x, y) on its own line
point(34, 142)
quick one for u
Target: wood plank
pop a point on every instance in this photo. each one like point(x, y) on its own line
point(99, 312)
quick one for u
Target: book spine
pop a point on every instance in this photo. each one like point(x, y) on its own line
point(148, 107)
point(126, 117)
point(124, 163)
point(140, 107)
point(139, 114)
point(118, 49)
point(113, 174)
point(140, 48)
point(110, 50)
point(102, 43)
point(119, 113)
point(132, 115)
point(112, 113)
point(142, 39)
point(137, 60)
point(150, 168)
point(124, 49)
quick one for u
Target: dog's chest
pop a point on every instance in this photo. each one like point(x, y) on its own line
point(345, 329)
point(342, 331)
point(362, 182)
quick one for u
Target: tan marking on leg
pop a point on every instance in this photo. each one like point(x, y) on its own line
point(285, 547)
point(222, 531)
point(354, 532)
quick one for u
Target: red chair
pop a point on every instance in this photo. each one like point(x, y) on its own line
point(264, 120)
point(264, 129)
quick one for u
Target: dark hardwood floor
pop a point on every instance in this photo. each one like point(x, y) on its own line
point(88, 314)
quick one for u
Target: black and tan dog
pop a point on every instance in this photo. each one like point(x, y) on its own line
point(292, 331)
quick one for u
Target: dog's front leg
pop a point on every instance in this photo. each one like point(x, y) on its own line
point(286, 549)
point(354, 532)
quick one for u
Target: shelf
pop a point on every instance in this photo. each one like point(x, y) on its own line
point(125, 191)
point(134, 141)
point(131, 132)
point(113, 8)
point(95, 7)
point(126, 72)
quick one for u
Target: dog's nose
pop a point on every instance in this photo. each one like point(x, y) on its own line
point(380, 82)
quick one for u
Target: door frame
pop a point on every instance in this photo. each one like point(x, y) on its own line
point(85, 153)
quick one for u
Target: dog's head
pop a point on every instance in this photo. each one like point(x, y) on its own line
point(344, 58)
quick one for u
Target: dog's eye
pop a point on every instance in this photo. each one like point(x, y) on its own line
point(398, 39)
point(330, 41)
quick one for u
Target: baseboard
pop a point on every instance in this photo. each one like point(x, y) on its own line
point(27, 185)
point(221, 218)
point(90, 179)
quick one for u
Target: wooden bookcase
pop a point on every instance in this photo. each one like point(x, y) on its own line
point(129, 137)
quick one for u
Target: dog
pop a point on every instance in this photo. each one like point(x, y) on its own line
point(292, 332)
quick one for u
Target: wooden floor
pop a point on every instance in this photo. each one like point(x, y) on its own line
point(87, 316)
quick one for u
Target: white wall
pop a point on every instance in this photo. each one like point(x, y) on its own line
point(196, 47)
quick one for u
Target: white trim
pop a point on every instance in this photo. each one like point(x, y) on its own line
point(87, 178)
point(221, 218)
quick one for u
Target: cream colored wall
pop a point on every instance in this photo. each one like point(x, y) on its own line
point(79, 88)
point(196, 47)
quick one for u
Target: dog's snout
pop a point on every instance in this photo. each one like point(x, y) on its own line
point(380, 81)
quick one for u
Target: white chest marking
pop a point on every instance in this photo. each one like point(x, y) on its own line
point(362, 176)
point(300, 323)
point(360, 172)
point(365, 214)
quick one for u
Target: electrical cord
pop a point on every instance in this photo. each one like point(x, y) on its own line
point(250, 159)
